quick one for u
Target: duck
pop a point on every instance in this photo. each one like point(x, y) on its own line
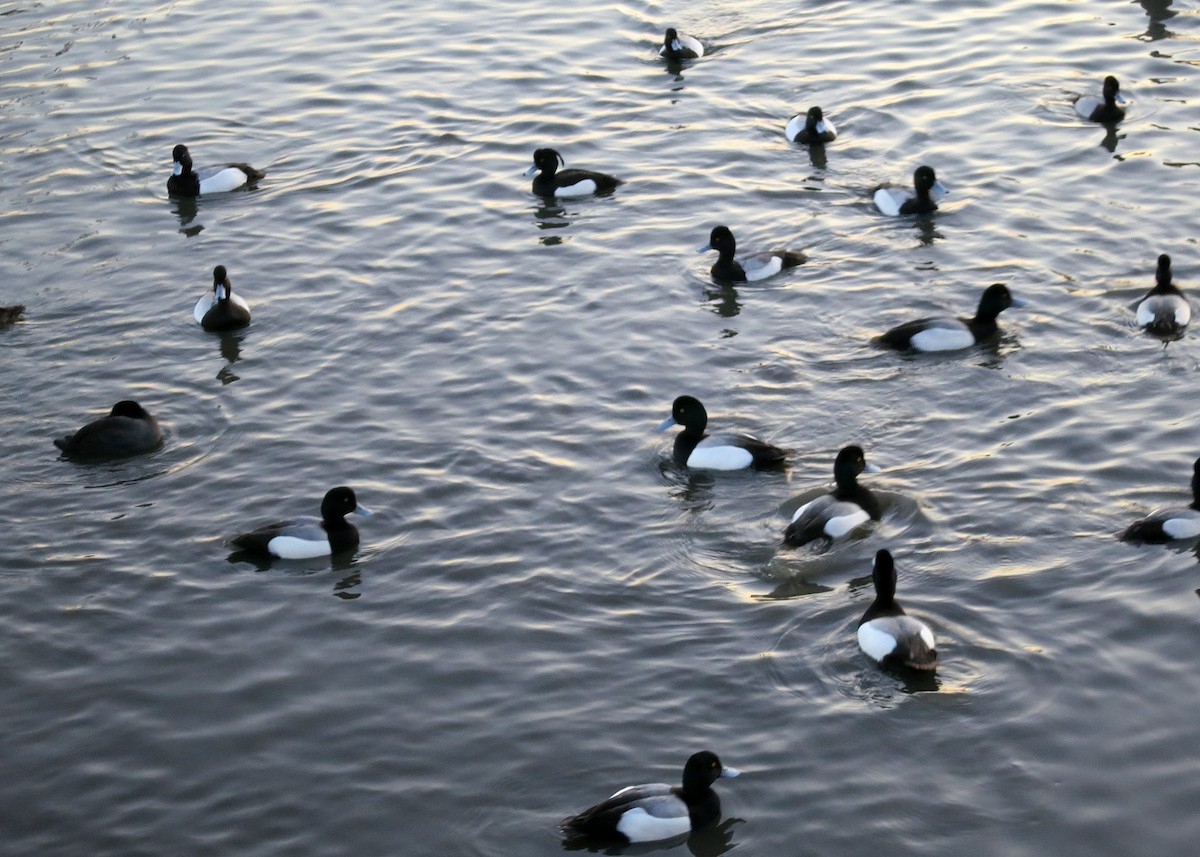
point(129, 429)
point(835, 514)
point(221, 309)
point(11, 313)
point(920, 199)
point(945, 333)
point(1164, 310)
point(810, 127)
point(309, 537)
point(680, 46)
point(757, 266)
point(1106, 109)
point(725, 451)
point(185, 181)
point(647, 813)
point(573, 182)
point(1165, 525)
point(888, 636)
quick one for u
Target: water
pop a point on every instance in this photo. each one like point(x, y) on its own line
point(544, 607)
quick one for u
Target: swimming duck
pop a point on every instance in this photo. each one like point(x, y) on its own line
point(308, 537)
point(885, 633)
point(1108, 108)
point(757, 266)
point(221, 309)
point(810, 127)
point(693, 448)
point(654, 811)
point(1164, 310)
point(920, 199)
point(680, 46)
point(573, 182)
point(835, 514)
point(184, 181)
point(1167, 524)
point(127, 430)
point(944, 333)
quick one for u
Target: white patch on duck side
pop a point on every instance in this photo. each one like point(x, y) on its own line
point(889, 199)
point(227, 179)
point(1158, 309)
point(761, 265)
point(875, 640)
point(580, 188)
point(290, 547)
point(1182, 524)
point(943, 335)
point(203, 306)
point(825, 126)
point(1087, 104)
point(641, 826)
point(846, 516)
point(794, 126)
point(720, 457)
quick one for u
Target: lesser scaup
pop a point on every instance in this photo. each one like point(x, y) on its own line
point(1108, 108)
point(185, 181)
point(724, 451)
point(810, 127)
point(550, 181)
point(833, 515)
point(921, 198)
point(945, 333)
point(1164, 311)
point(757, 266)
point(308, 537)
point(885, 633)
point(221, 309)
point(654, 811)
point(1167, 524)
point(680, 46)
point(127, 430)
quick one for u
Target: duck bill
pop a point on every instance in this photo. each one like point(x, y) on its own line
point(533, 169)
point(177, 169)
point(362, 510)
point(1019, 302)
point(704, 249)
point(667, 423)
point(939, 187)
point(871, 468)
point(730, 772)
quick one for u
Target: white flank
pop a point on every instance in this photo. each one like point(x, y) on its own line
point(230, 178)
point(580, 188)
point(641, 826)
point(203, 306)
point(825, 126)
point(804, 508)
point(943, 338)
point(720, 457)
point(1087, 105)
point(761, 265)
point(849, 516)
point(290, 547)
point(889, 199)
point(794, 126)
point(689, 42)
point(874, 641)
point(1164, 308)
point(1185, 526)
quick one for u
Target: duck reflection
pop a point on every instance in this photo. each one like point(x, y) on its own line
point(723, 299)
point(185, 208)
point(1157, 11)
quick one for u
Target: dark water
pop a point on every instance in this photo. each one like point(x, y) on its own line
point(544, 607)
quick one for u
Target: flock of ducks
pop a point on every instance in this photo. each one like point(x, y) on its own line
point(885, 633)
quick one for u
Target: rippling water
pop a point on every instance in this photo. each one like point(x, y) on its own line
point(545, 607)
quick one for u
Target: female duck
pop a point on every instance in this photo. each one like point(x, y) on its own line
point(810, 127)
point(654, 811)
point(885, 633)
point(308, 537)
point(757, 266)
point(1107, 109)
point(944, 333)
point(1167, 524)
point(1164, 310)
point(185, 181)
point(921, 199)
point(551, 182)
point(837, 513)
point(222, 309)
point(693, 448)
point(129, 429)
point(680, 46)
